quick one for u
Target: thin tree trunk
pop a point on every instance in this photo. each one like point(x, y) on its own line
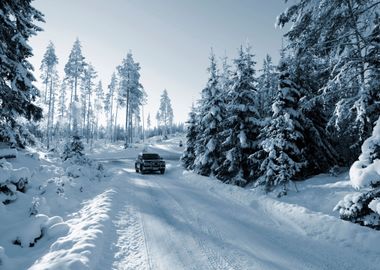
point(46, 86)
point(71, 108)
point(115, 125)
point(143, 127)
point(126, 119)
point(111, 115)
point(88, 117)
point(49, 114)
point(130, 127)
point(52, 116)
point(75, 120)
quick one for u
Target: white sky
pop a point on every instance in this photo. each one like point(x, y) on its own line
point(171, 39)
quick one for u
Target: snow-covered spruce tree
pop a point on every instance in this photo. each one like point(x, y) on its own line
point(282, 149)
point(74, 69)
point(315, 111)
point(17, 92)
point(364, 207)
point(373, 82)
point(224, 80)
point(188, 156)
point(242, 122)
point(165, 113)
point(211, 111)
point(73, 149)
point(77, 164)
point(338, 34)
point(49, 76)
point(267, 87)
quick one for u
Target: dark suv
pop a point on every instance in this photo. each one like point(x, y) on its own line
point(149, 162)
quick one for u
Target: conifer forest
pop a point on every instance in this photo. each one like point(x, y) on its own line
point(129, 140)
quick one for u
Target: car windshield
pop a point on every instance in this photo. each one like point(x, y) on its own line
point(151, 156)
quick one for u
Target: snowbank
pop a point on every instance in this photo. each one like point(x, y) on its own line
point(39, 192)
point(81, 248)
point(39, 226)
point(12, 181)
point(366, 171)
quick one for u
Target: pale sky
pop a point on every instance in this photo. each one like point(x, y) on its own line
point(171, 39)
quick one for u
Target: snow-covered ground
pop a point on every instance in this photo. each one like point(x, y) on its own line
point(178, 220)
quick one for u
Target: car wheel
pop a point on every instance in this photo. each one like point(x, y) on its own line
point(162, 171)
point(136, 169)
point(141, 170)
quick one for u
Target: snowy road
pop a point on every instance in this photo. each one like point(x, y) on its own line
point(181, 220)
point(170, 222)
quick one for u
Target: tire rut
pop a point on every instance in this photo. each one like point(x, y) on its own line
point(216, 259)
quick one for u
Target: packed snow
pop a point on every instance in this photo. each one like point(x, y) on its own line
point(179, 220)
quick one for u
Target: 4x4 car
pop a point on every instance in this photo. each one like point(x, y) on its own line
point(149, 162)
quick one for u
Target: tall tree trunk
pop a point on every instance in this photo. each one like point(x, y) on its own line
point(46, 86)
point(52, 115)
point(143, 127)
point(127, 119)
point(71, 108)
point(130, 127)
point(111, 116)
point(49, 113)
point(74, 111)
point(115, 125)
point(88, 117)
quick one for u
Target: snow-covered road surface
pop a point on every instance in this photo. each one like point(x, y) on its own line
point(181, 220)
point(170, 222)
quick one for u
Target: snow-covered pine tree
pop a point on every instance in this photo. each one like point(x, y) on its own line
point(89, 75)
point(62, 124)
point(188, 156)
point(98, 105)
point(165, 113)
point(364, 207)
point(211, 112)
point(49, 76)
point(267, 87)
point(130, 94)
point(109, 104)
point(148, 125)
point(17, 93)
point(48, 68)
point(74, 69)
point(144, 101)
point(242, 123)
point(282, 149)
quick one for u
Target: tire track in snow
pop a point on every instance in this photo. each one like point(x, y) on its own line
point(216, 259)
point(124, 246)
point(131, 252)
point(181, 252)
